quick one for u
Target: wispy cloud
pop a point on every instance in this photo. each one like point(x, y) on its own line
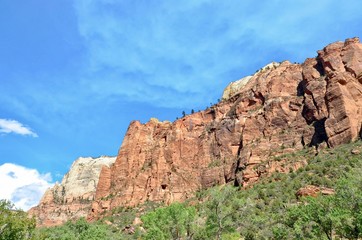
point(139, 50)
point(13, 126)
point(23, 186)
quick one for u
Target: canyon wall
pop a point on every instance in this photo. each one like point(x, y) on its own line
point(72, 198)
point(282, 108)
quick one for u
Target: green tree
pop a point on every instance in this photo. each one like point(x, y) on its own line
point(318, 217)
point(78, 230)
point(222, 209)
point(348, 200)
point(95, 232)
point(14, 223)
point(172, 222)
point(328, 216)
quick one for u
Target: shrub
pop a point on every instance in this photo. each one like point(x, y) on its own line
point(14, 223)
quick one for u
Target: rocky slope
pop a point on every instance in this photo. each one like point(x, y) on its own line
point(72, 198)
point(281, 108)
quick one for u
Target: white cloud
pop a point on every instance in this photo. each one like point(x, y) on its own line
point(23, 186)
point(13, 126)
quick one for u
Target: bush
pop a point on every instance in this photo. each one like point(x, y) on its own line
point(267, 210)
point(14, 223)
point(172, 222)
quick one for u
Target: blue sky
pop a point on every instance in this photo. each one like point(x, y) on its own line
point(73, 74)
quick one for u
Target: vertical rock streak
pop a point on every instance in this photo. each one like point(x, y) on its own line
point(278, 110)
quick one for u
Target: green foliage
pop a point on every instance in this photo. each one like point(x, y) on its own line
point(79, 230)
point(172, 222)
point(221, 209)
point(14, 224)
point(121, 216)
point(327, 216)
point(267, 210)
point(230, 236)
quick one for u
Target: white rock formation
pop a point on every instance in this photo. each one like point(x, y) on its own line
point(82, 179)
point(234, 87)
point(72, 198)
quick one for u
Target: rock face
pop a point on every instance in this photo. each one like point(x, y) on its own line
point(72, 198)
point(313, 191)
point(234, 87)
point(280, 109)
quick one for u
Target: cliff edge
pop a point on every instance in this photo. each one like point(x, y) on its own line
point(282, 108)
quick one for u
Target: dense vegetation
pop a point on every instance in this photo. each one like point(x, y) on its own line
point(14, 224)
point(268, 210)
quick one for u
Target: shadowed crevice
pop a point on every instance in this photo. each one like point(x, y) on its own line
point(320, 134)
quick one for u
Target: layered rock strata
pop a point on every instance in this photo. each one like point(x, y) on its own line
point(72, 198)
point(282, 108)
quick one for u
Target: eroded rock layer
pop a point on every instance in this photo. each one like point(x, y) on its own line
point(72, 198)
point(280, 109)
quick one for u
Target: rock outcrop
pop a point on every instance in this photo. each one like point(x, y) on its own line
point(313, 191)
point(280, 109)
point(234, 87)
point(72, 198)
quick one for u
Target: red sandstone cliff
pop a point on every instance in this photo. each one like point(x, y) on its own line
point(280, 109)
